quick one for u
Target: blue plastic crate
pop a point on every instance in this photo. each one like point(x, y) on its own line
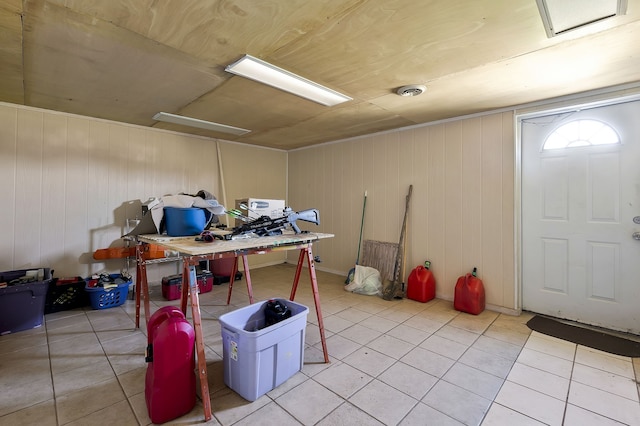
point(101, 298)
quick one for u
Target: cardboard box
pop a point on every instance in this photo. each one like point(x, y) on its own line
point(256, 358)
point(260, 207)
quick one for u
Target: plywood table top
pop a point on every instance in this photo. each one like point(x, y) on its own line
point(189, 246)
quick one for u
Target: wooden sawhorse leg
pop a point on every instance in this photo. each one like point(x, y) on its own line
point(306, 252)
point(142, 286)
point(190, 290)
point(247, 276)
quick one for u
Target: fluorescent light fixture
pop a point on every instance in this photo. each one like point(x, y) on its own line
point(560, 16)
point(264, 72)
point(201, 124)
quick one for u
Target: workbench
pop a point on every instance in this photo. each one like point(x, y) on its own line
point(193, 252)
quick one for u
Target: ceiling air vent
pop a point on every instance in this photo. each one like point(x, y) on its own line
point(560, 16)
point(412, 90)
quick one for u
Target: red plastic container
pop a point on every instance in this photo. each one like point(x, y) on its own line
point(421, 284)
point(172, 285)
point(170, 383)
point(222, 269)
point(469, 294)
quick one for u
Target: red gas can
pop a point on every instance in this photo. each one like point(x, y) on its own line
point(170, 384)
point(421, 284)
point(469, 294)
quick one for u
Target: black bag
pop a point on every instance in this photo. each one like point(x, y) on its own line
point(275, 311)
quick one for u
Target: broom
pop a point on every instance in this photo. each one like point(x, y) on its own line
point(390, 289)
point(352, 271)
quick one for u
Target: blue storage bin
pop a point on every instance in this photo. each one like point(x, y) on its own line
point(256, 358)
point(184, 221)
point(22, 304)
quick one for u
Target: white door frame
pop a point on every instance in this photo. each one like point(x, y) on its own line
point(518, 118)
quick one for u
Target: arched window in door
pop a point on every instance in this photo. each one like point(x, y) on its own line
point(581, 133)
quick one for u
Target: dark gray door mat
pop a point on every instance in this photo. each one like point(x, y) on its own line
point(584, 336)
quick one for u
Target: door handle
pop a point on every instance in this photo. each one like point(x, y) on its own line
point(636, 235)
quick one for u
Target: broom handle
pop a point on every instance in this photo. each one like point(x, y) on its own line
point(404, 256)
point(390, 291)
point(400, 277)
point(364, 205)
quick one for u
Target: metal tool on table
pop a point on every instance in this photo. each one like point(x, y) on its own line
point(265, 225)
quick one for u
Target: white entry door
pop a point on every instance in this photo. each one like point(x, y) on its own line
point(580, 216)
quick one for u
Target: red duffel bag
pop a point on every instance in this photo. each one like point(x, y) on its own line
point(469, 294)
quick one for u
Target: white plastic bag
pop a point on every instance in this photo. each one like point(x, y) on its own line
point(366, 280)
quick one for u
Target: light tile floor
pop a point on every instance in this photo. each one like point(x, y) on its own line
point(392, 362)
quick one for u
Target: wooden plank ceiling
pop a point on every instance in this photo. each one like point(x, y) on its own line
point(126, 60)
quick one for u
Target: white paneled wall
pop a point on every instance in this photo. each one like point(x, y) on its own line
point(462, 208)
point(68, 184)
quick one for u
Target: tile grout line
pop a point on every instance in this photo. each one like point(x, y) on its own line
point(573, 366)
point(133, 411)
point(53, 387)
point(506, 376)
